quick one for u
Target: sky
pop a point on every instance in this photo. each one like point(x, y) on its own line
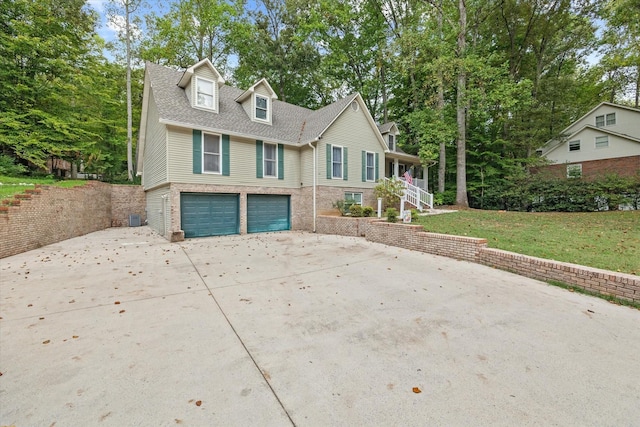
point(108, 28)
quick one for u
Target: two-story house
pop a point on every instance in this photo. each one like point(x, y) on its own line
point(606, 140)
point(219, 160)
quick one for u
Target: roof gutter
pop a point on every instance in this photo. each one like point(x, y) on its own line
point(315, 174)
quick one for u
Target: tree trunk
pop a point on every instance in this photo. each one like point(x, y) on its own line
point(442, 161)
point(461, 143)
point(129, 108)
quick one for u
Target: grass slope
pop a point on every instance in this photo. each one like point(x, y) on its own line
point(607, 240)
point(11, 185)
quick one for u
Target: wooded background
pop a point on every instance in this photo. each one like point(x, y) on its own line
point(476, 85)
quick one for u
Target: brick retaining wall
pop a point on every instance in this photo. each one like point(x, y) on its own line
point(48, 214)
point(624, 286)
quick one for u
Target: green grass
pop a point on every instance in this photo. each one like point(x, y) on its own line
point(12, 185)
point(608, 240)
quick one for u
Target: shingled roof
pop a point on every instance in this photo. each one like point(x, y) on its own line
point(291, 124)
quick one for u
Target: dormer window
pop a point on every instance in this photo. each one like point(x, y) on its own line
point(204, 93)
point(392, 142)
point(262, 108)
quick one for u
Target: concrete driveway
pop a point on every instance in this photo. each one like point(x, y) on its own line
point(121, 327)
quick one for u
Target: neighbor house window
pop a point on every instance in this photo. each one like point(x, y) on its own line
point(270, 160)
point(353, 198)
point(392, 142)
point(371, 166)
point(574, 145)
point(611, 119)
point(262, 106)
point(204, 93)
point(602, 141)
point(599, 121)
point(574, 171)
point(211, 153)
point(336, 162)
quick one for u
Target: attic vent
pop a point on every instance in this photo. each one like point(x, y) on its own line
point(355, 106)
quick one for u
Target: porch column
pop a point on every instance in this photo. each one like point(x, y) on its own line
point(396, 168)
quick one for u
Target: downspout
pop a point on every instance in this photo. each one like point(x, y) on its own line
point(315, 161)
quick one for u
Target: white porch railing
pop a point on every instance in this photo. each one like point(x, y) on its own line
point(412, 194)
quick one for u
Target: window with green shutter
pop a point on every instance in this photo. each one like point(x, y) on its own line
point(210, 153)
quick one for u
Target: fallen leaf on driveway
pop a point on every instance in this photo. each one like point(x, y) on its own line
point(198, 402)
point(46, 342)
point(417, 390)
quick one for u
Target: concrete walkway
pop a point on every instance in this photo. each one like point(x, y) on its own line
point(121, 328)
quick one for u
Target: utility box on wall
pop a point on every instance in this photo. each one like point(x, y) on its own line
point(134, 220)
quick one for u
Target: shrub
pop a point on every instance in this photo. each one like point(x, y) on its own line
point(356, 210)
point(367, 211)
point(9, 167)
point(342, 206)
point(387, 190)
point(392, 214)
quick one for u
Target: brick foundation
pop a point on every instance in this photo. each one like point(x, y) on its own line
point(622, 166)
point(47, 214)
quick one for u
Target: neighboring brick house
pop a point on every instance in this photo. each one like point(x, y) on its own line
point(219, 160)
point(606, 140)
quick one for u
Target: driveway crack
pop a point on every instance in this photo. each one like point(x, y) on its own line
point(255, 363)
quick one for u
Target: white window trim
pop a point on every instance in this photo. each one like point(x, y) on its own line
point(577, 166)
point(569, 145)
point(606, 117)
point(204, 171)
point(353, 198)
point(213, 95)
point(264, 160)
point(341, 162)
point(595, 142)
point(373, 166)
point(267, 110)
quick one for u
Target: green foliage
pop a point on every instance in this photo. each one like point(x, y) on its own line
point(356, 210)
point(391, 214)
point(344, 205)
point(543, 193)
point(387, 190)
point(367, 211)
point(8, 166)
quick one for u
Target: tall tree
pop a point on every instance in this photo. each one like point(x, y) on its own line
point(621, 49)
point(192, 30)
point(44, 47)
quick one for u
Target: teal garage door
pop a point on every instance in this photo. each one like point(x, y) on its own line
point(206, 214)
point(267, 213)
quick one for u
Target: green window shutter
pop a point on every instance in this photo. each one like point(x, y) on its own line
point(364, 166)
point(225, 155)
point(259, 164)
point(197, 151)
point(377, 173)
point(329, 166)
point(280, 161)
point(345, 164)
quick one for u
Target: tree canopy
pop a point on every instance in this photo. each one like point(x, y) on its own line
point(476, 85)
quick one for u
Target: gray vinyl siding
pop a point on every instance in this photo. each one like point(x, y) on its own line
point(157, 215)
point(351, 130)
point(242, 163)
point(306, 168)
point(155, 155)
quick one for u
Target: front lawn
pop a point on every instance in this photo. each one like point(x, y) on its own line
point(608, 240)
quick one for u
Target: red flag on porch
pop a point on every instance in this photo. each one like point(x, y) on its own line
point(407, 177)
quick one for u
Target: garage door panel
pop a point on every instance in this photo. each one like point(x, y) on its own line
point(209, 214)
point(268, 213)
